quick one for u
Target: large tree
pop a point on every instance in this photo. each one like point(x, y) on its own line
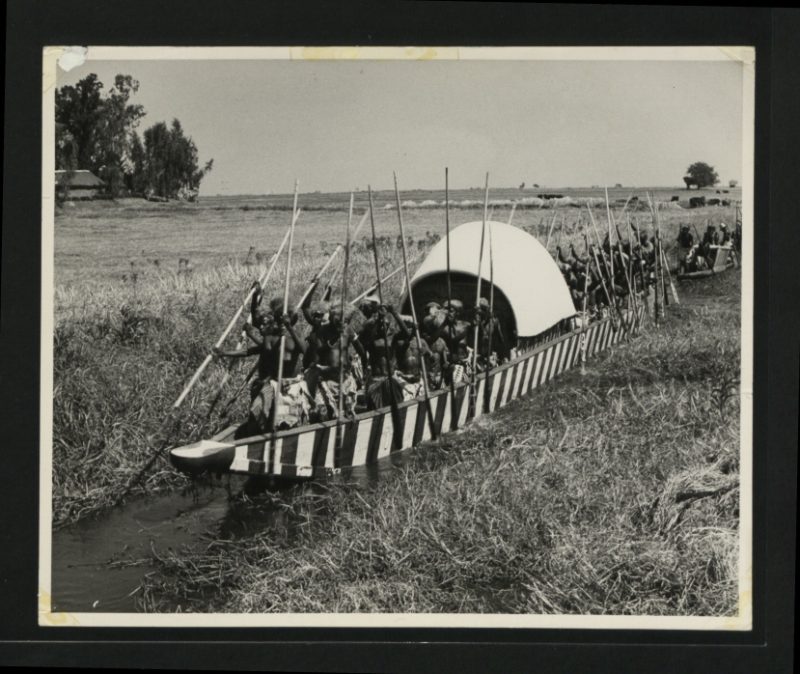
point(701, 175)
point(166, 164)
point(93, 131)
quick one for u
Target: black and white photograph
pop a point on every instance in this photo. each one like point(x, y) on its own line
point(424, 336)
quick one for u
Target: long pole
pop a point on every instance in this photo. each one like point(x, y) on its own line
point(282, 350)
point(450, 327)
point(473, 384)
point(317, 276)
point(611, 296)
point(243, 338)
point(491, 316)
point(396, 438)
point(631, 273)
point(179, 400)
point(673, 290)
point(386, 278)
point(550, 231)
point(338, 270)
point(660, 255)
point(422, 364)
point(447, 232)
point(602, 281)
point(610, 247)
point(582, 337)
point(342, 343)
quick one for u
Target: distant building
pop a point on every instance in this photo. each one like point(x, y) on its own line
point(79, 184)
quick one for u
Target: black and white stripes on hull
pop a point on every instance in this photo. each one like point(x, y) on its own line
point(311, 451)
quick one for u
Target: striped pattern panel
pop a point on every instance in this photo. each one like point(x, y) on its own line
point(312, 451)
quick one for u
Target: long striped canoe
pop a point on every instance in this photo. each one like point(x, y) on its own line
point(311, 451)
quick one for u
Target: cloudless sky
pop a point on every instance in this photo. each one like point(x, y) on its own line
point(337, 125)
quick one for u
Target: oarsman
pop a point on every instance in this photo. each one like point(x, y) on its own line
point(490, 336)
point(315, 316)
point(334, 340)
point(695, 260)
point(382, 388)
point(407, 356)
point(438, 366)
point(456, 334)
point(710, 238)
point(294, 398)
point(685, 243)
point(725, 235)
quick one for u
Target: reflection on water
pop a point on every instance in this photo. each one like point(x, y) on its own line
point(98, 564)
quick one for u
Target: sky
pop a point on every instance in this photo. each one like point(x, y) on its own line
point(339, 125)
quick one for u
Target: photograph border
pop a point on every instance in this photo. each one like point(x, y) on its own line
point(52, 56)
point(32, 24)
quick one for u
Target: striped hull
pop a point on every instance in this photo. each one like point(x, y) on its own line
point(312, 451)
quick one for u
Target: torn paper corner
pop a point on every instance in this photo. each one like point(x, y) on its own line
point(72, 57)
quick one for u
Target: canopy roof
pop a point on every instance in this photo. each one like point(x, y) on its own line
point(523, 270)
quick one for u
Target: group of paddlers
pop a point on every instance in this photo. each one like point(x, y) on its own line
point(606, 276)
point(342, 365)
point(698, 254)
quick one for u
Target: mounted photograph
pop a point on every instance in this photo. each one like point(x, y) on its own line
point(397, 337)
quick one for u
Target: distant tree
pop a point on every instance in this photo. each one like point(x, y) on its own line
point(618, 185)
point(522, 186)
point(166, 164)
point(536, 185)
point(733, 183)
point(701, 175)
point(93, 131)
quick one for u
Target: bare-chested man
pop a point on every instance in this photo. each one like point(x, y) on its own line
point(333, 341)
point(456, 334)
point(267, 340)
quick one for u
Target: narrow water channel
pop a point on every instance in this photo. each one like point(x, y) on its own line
point(98, 564)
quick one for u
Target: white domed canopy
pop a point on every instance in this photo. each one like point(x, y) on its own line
point(524, 272)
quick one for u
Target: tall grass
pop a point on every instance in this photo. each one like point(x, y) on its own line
point(123, 353)
point(610, 493)
point(126, 343)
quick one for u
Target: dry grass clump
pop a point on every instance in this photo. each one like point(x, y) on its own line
point(610, 493)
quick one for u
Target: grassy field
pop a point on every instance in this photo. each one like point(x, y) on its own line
point(613, 492)
point(132, 325)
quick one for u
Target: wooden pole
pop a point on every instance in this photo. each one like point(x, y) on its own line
point(550, 232)
point(631, 272)
point(474, 383)
point(342, 343)
point(513, 208)
point(447, 232)
point(602, 281)
point(450, 327)
point(582, 337)
point(610, 247)
point(642, 278)
point(423, 366)
point(673, 290)
point(318, 275)
point(228, 328)
point(612, 296)
point(397, 440)
point(660, 254)
point(338, 270)
point(491, 318)
point(386, 278)
point(282, 350)
point(243, 338)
